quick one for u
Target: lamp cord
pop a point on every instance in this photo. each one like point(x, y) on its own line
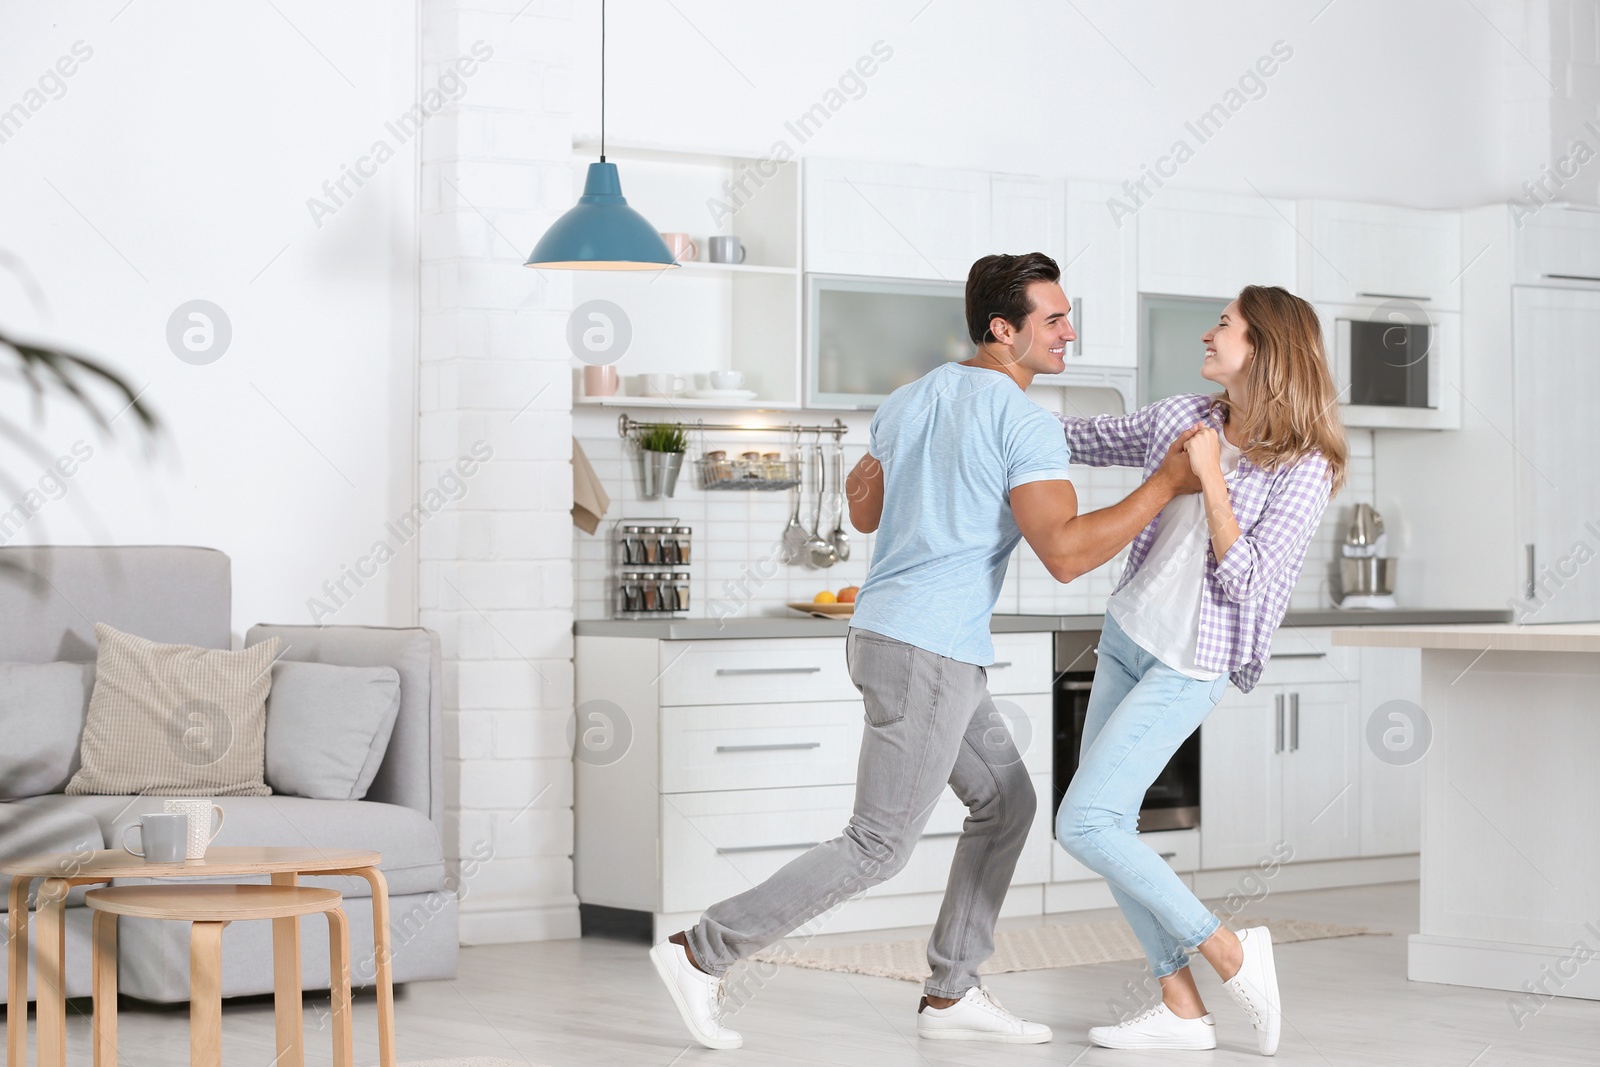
point(602, 81)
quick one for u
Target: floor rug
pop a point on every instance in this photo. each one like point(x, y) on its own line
point(1032, 948)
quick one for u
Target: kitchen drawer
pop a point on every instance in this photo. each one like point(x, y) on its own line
point(716, 845)
point(1180, 848)
point(762, 747)
point(1022, 664)
point(776, 671)
point(1303, 654)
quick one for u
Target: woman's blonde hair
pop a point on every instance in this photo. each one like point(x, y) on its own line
point(1293, 406)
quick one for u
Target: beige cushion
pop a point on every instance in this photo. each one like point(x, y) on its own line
point(175, 720)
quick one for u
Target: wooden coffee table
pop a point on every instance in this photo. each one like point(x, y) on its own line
point(62, 870)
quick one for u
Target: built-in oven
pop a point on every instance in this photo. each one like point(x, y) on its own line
point(1395, 363)
point(1173, 801)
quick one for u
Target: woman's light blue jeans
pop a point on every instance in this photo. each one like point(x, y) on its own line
point(1140, 711)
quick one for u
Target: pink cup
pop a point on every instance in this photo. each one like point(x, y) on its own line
point(601, 381)
point(682, 247)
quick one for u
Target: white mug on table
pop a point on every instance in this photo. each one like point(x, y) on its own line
point(199, 812)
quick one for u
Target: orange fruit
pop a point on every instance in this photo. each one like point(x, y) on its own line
point(825, 597)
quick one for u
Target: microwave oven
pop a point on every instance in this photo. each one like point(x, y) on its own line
point(866, 337)
point(1395, 364)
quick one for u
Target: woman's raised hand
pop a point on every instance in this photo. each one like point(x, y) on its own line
point(1205, 453)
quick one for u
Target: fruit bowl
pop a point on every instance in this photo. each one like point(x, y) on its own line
point(824, 611)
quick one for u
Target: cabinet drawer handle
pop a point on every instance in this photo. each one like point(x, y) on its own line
point(943, 833)
point(792, 746)
point(1077, 687)
point(1168, 855)
point(1077, 327)
point(767, 848)
point(1397, 296)
point(1299, 655)
point(1294, 722)
point(1000, 665)
point(768, 670)
point(1574, 277)
point(1277, 744)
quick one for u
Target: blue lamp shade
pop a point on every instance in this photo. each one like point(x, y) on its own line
point(601, 232)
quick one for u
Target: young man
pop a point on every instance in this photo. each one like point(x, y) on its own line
point(961, 466)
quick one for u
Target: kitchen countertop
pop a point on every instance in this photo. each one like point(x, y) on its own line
point(766, 626)
point(1549, 637)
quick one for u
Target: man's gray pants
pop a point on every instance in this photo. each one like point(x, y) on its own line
point(929, 721)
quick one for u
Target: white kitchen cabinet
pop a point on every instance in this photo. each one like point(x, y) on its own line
point(1558, 246)
point(736, 755)
point(1101, 278)
point(1214, 244)
point(896, 221)
point(1280, 764)
point(1369, 253)
point(1321, 775)
point(1241, 779)
point(1027, 215)
point(1391, 792)
point(1557, 372)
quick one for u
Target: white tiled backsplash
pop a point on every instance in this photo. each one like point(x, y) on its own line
point(736, 570)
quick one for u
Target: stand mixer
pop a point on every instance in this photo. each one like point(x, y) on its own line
point(1366, 574)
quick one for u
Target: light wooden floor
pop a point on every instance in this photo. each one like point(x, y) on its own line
point(597, 1003)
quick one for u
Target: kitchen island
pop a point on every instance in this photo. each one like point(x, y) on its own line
point(1508, 738)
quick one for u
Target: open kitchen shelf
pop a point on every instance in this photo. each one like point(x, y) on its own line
point(702, 316)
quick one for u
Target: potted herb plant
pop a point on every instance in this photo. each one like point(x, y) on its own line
point(661, 446)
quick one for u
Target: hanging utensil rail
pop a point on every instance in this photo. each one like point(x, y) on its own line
point(630, 427)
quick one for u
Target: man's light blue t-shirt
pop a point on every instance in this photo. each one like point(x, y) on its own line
point(953, 445)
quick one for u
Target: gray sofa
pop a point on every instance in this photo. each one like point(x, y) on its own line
point(50, 599)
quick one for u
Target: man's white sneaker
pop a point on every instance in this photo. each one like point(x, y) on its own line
point(977, 1016)
point(1158, 1028)
point(697, 994)
point(1255, 987)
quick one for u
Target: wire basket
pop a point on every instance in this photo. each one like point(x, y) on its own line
point(763, 474)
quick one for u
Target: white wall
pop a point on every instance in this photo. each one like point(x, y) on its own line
point(176, 165)
point(1381, 101)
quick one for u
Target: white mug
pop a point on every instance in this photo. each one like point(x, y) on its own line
point(199, 812)
point(664, 384)
point(726, 379)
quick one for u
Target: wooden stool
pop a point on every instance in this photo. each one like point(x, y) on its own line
point(209, 908)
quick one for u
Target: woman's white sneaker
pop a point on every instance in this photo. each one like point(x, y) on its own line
point(978, 1016)
point(1158, 1028)
point(1255, 988)
point(697, 994)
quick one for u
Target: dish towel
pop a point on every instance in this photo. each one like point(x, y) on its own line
point(589, 499)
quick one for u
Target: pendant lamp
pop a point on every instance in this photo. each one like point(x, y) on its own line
point(601, 232)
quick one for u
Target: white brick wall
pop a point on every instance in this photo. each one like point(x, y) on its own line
point(735, 531)
point(496, 571)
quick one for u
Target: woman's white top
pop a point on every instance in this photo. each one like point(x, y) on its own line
point(1159, 608)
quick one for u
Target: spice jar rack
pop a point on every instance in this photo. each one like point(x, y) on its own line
point(650, 558)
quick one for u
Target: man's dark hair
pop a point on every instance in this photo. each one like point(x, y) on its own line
point(998, 285)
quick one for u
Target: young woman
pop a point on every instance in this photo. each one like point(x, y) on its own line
point(1206, 584)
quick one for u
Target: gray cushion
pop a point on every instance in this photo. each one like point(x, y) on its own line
point(328, 727)
point(175, 720)
point(413, 858)
point(42, 707)
point(52, 595)
point(413, 767)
